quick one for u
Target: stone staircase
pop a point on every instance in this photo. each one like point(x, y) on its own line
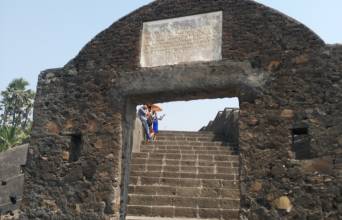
point(184, 175)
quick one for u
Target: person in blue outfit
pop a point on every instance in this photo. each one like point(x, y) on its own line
point(155, 120)
point(143, 114)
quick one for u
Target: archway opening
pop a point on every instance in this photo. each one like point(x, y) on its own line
point(194, 114)
point(191, 169)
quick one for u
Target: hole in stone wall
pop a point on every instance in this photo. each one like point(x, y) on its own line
point(13, 198)
point(300, 131)
point(75, 147)
point(22, 167)
point(301, 142)
point(3, 183)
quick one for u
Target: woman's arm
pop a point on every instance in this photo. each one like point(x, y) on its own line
point(161, 117)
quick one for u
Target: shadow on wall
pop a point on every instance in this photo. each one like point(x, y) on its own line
point(226, 124)
point(12, 180)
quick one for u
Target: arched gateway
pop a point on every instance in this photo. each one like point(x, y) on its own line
point(287, 80)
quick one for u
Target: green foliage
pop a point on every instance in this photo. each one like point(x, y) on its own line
point(11, 136)
point(16, 107)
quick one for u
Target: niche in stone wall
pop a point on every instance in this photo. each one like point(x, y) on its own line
point(301, 141)
point(75, 147)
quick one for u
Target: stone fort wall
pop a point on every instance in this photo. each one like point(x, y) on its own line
point(288, 83)
point(12, 180)
point(225, 124)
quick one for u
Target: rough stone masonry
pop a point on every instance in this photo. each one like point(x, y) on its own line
point(288, 81)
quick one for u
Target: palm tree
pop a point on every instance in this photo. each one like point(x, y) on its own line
point(17, 104)
point(16, 108)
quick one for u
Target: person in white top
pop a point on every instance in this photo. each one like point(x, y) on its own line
point(143, 114)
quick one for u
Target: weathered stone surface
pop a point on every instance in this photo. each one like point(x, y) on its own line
point(302, 59)
point(11, 216)
point(283, 202)
point(66, 155)
point(256, 186)
point(52, 128)
point(12, 180)
point(274, 65)
point(11, 192)
point(11, 162)
point(321, 165)
point(180, 40)
point(253, 121)
point(287, 113)
point(88, 108)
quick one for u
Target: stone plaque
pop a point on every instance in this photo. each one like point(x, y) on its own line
point(182, 40)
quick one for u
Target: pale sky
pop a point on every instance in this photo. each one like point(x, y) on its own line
point(39, 34)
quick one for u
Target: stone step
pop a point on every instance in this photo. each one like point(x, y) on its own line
point(184, 191)
point(189, 138)
point(185, 175)
point(171, 211)
point(186, 143)
point(187, 147)
point(189, 157)
point(186, 133)
point(165, 218)
point(179, 201)
point(186, 151)
point(184, 182)
point(187, 169)
point(165, 174)
point(144, 161)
